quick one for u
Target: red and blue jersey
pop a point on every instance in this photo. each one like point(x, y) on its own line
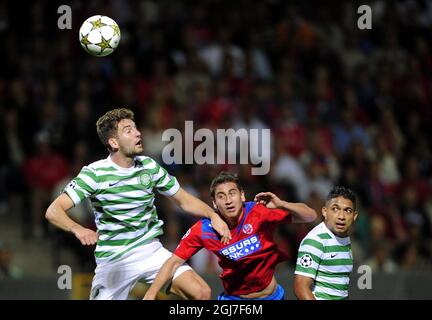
point(249, 260)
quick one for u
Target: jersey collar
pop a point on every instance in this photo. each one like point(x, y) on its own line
point(344, 240)
point(115, 165)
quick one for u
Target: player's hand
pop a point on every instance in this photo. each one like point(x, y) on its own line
point(270, 200)
point(221, 227)
point(86, 236)
point(149, 296)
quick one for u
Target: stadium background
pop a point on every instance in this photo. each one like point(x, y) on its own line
point(345, 106)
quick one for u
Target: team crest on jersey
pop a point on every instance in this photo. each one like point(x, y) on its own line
point(145, 180)
point(247, 228)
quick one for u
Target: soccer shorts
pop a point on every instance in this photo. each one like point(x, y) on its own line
point(278, 294)
point(114, 280)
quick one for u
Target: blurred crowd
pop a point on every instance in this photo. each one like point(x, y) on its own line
point(345, 106)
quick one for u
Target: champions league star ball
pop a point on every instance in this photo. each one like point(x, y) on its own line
point(306, 261)
point(99, 35)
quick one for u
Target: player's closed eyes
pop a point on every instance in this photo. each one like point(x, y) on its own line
point(129, 129)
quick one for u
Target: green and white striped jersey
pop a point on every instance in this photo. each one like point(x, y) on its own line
point(123, 202)
point(327, 259)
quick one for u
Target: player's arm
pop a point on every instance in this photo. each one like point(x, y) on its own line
point(164, 275)
point(57, 215)
point(168, 186)
point(302, 287)
point(300, 212)
point(195, 206)
point(309, 258)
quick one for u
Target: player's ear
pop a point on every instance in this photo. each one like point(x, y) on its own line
point(243, 198)
point(214, 205)
point(324, 212)
point(113, 143)
point(355, 215)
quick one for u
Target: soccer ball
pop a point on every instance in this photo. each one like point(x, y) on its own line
point(99, 35)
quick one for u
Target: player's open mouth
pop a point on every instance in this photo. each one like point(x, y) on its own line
point(340, 225)
point(230, 209)
point(139, 143)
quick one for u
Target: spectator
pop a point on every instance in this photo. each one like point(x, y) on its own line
point(380, 260)
point(8, 270)
point(43, 171)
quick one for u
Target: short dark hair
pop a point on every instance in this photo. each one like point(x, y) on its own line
point(224, 177)
point(341, 191)
point(107, 125)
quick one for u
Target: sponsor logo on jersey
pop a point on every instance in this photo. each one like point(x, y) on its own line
point(247, 228)
point(242, 248)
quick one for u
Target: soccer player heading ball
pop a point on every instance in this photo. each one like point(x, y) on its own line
point(121, 189)
point(249, 261)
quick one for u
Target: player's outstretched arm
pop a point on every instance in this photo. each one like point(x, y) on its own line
point(56, 214)
point(195, 206)
point(164, 275)
point(302, 287)
point(301, 213)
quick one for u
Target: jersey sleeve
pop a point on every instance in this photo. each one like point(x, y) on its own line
point(275, 216)
point(165, 183)
point(309, 257)
point(82, 186)
point(191, 242)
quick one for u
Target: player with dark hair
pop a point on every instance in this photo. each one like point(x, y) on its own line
point(324, 260)
point(249, 261)
point(121, 189)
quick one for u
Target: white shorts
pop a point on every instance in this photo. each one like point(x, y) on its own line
point(114, 280)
